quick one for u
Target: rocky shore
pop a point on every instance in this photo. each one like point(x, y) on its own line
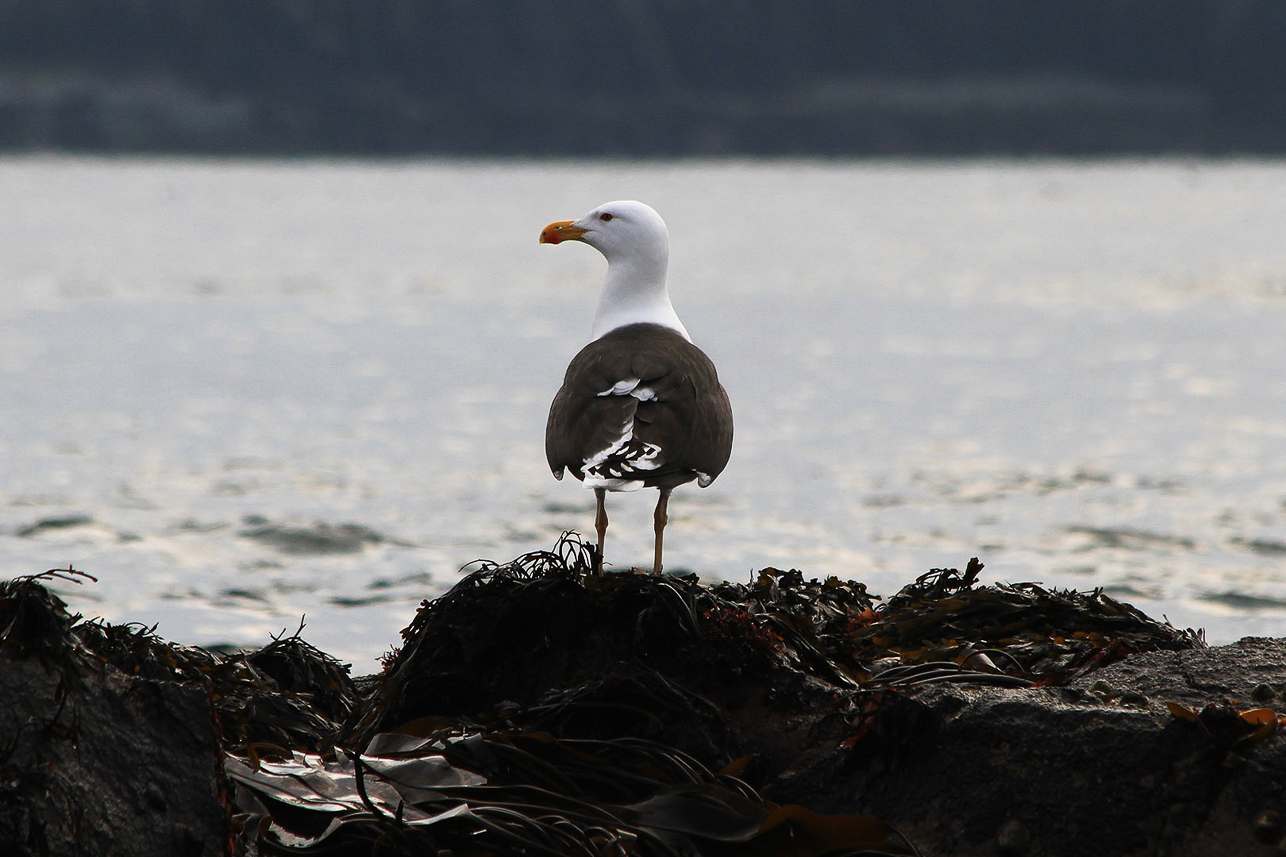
point(535, 709)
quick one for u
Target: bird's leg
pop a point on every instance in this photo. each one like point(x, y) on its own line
point(659, 520)
point(600, 524)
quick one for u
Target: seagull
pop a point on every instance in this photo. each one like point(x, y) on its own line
point(640, 405)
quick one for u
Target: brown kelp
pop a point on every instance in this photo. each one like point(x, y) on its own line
point(538, 708)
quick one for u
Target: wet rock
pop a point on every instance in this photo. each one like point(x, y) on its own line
point(107, 764)
point(1013, 840)
point(976, 720)
point(1087, 773)
point(1196, 677)
point(113, 741)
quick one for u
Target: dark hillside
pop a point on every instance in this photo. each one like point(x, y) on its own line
point(644, 77)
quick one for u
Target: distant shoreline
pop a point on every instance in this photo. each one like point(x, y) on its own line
point(645, 79)
point(81, 112)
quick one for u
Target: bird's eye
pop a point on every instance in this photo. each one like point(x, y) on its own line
point(605, 216)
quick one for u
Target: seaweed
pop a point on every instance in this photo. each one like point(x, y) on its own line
point(34, 621)
point(544, 637)
point(301, 668)
point(1047, 636)
point(467, 792)
point(539, 708)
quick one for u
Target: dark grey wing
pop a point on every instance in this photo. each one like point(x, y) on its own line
point(640, 405)
point(582, 423)
point(690, 417)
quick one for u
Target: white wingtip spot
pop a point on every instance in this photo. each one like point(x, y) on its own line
point(621, 388)
point(629, 387)
point(599, 457)
point(621, 485)
point(621, 462)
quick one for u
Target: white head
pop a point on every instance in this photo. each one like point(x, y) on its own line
point(619, 230)
point(634, 240)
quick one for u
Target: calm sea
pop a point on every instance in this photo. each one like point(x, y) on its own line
point(239, 393)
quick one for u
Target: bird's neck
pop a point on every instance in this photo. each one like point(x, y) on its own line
point(634, 292)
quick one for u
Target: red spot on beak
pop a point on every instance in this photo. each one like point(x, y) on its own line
point(560, 231)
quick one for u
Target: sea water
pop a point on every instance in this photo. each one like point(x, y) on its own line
point(253, 393)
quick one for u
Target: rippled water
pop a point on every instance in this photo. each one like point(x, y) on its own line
point(241, 392)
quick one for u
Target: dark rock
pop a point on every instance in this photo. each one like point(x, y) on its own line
point(107, 765)
point(1196, 677)
point(1083, 774)
point(961, 757)
point(976, 720)
point(112, 741)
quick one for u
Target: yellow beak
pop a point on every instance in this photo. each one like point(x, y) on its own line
point(559, 231)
